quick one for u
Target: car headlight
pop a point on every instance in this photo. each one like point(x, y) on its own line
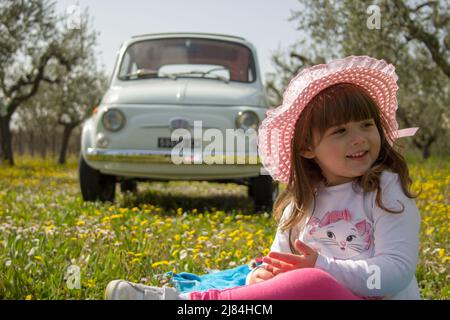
point(247, 120)
point(113, 120)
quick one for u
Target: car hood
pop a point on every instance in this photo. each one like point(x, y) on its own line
point(185, 91)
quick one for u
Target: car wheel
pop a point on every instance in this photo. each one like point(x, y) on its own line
point(128, 186)
point(264, 191)
point(95, 185)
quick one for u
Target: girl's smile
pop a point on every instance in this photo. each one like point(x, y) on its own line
point(358, 155)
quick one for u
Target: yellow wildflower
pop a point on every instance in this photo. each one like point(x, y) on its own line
point(235, 232)
point(156, 264)
point(202, 238)
point(90, 283)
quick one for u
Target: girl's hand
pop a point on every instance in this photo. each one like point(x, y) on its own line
point(279, 262)
point(259, 275)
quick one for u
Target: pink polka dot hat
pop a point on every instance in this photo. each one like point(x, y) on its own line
point(276, 132)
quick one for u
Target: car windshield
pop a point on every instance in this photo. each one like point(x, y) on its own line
point(188, 57)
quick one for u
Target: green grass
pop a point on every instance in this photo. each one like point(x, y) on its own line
point(45, 228)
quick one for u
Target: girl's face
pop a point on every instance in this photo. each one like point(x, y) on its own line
point(346, 151)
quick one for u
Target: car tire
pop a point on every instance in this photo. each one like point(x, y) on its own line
point(128, 186)
point(264, 191)
point(94, 184)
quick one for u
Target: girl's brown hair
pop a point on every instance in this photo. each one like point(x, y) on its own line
point(334, 106)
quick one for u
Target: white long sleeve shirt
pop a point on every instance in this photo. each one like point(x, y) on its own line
point(370, 251)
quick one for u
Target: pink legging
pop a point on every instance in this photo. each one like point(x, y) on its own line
point(299, 284)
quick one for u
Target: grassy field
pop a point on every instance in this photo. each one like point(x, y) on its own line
point(46, 230)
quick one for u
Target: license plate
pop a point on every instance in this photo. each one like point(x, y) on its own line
point(164, 142)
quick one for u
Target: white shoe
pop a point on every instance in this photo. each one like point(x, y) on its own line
point(126, 290)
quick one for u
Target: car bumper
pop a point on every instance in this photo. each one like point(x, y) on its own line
point(160, 164)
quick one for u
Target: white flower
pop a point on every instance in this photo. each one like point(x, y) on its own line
point(32, 251)
point(183, 254)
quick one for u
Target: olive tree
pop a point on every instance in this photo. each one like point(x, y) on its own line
point(34, 41)
point(412, 35)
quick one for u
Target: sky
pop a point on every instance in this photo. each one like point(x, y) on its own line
point(262, 22)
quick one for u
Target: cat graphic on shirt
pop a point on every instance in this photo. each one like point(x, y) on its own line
point(337, 236)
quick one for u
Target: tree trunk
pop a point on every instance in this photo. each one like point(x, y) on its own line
point(426, 152)
point(18, 142)
point(425, 145)
point(54, 135)
point(31, 145)
point(65, 142)
point(43, 145)
point(6, 140)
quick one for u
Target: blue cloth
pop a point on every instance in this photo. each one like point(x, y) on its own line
point(188, 282)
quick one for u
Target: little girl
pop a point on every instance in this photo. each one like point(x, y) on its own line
point(348, 223)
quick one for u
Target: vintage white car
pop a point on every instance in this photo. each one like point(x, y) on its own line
point(180, 106)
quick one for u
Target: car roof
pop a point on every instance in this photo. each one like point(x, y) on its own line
point(188, 34)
